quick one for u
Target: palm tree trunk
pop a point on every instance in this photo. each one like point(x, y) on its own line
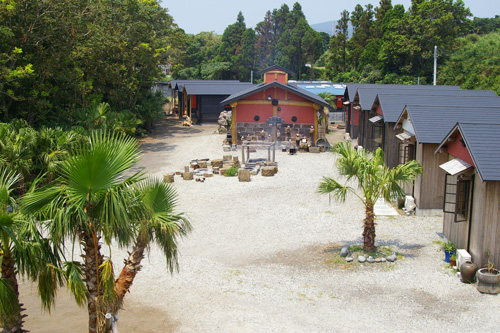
point(14, 323)
point(130, 269)
point(369, 228)
point(92, 260)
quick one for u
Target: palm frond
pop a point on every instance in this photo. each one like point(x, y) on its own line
point(107, 280)
point(49, 279)
point(332, 187)
point(8, 180)
point(75, 282)
point(163, 225)
point(9, 304)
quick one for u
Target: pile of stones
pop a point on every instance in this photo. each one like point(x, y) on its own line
point(344, 252)
point(201, 169)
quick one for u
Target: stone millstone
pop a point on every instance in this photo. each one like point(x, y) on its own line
point(244, 175)
point(188, 175)
point(267, 171)
point(168, 178)
point(217, 163)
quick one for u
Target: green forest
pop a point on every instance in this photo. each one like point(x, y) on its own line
point(76, 82)
point(388, 45)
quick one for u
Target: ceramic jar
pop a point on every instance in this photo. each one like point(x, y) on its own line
point(468, 271)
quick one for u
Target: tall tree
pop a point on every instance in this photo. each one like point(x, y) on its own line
point(26, 252)
point(95, 202)
point(266, 39)
point(475, 64)
point(58, 55)
point(375, 180)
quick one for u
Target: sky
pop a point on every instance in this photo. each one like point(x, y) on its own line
point(195, 16)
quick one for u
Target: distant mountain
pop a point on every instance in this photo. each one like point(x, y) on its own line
point(329, 27)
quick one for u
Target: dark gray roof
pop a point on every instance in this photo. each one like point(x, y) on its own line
point(432, 123)
point(179, 84)
point(393, 105)
point(226, 88)
point(278, 67)
point(481, 142)
point(366, 96)
point(351, 88)
point(260, 87)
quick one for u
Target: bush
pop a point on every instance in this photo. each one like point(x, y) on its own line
point(231, 172)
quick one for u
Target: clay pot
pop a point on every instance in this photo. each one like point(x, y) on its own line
point(488, 283)
point(468, 272)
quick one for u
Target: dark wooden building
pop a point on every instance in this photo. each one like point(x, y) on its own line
point(472, 193)
point(426, 126)
point(355, 103)
point(379, 124)
point(200, 99)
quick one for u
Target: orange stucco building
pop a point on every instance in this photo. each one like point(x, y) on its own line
point(275, 110)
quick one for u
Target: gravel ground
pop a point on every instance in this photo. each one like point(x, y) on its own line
point(256, 259)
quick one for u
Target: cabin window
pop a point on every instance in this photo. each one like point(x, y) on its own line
point(377, 135)
point(456, 197)
point(406, 152)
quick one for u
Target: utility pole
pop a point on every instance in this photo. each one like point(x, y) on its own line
point(435, 63)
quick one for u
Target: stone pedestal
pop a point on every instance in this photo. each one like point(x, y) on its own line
point(188, 175)
point(168, 178)
point(217, 163)
point(244, 175)
point(268, 171)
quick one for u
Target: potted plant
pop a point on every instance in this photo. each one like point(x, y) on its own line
point(453, 260)
point(449, 248)
point(488, 278)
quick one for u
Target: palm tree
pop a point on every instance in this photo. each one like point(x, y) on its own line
point(375, 180)
point(93, 202)
point(23, 250)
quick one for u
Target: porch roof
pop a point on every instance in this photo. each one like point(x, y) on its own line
point(455, 167)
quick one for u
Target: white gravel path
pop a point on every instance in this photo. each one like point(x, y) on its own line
point(255, 261)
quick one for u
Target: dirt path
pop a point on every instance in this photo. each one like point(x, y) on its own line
point(259, 259)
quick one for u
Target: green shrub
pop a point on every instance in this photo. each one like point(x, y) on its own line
point(231, 172)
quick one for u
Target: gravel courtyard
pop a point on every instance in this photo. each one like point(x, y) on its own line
point(258, 259)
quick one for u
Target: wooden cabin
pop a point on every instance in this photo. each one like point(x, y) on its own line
point(472, 192)
point(359, 98)
point(275, 110)
point(424, 128)
point(203, 98)
point(379, 124)
point(200, 99)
